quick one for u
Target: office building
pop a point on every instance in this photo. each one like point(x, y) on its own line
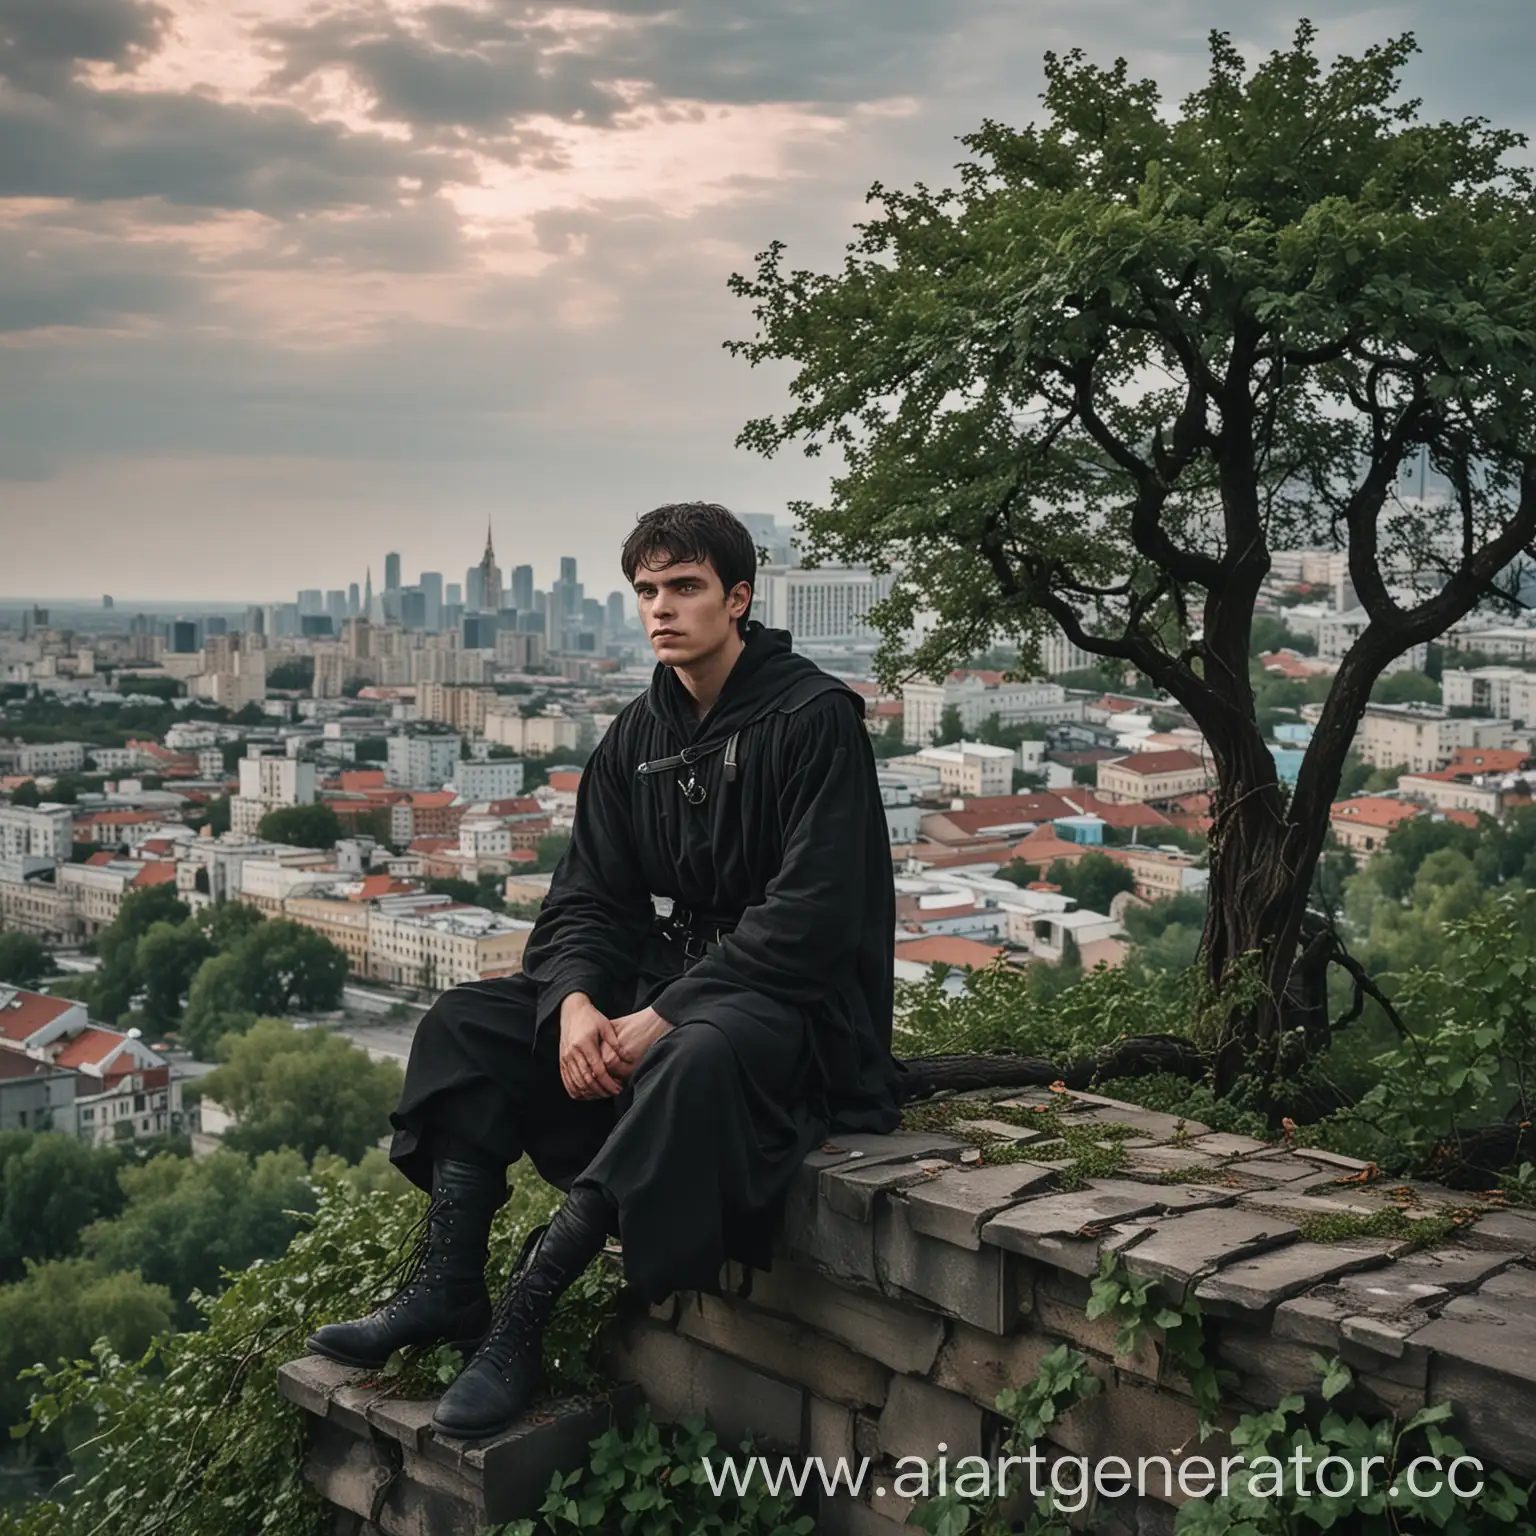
point(392, 572)
point(431, 584)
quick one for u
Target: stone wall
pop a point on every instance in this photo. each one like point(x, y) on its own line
point(916, 1284)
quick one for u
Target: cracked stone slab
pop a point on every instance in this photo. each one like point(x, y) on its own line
point(1226, 1144)
point(1294, 1203)
point(1455, 1269)
point(1102, 1203)
point(1005, 1130)
point(1332, 1159)
point(897, 1146)
point(852, 1190)
point(1189, 1246)
point(1278, 1169)
point(1167, 1159)
point(956, 1205)
point(1515, 1312)
point(1257, 1283)
point(1515, 1230)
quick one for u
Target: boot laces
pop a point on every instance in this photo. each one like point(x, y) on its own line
point(415, 1251)
point(514, 1330)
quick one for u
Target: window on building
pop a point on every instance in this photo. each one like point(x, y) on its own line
point(138, 1102)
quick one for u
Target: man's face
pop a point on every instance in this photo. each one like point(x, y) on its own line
point(686, 611)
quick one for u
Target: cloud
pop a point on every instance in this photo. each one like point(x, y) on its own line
point(41, 43)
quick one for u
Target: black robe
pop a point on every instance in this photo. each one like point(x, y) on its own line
point(793, 848)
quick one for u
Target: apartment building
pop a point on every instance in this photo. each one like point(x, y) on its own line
point(972, 767)
point(1418, 737)
point(269, 782)
point(977, 695)
point(422, 762)
point(1151, 778)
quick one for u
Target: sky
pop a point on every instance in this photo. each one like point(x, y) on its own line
point(286, 284)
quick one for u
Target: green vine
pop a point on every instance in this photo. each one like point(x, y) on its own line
point(650, 1482)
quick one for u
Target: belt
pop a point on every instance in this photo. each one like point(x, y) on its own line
point(697, 932)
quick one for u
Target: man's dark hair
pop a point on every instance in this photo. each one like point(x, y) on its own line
point(685, 532)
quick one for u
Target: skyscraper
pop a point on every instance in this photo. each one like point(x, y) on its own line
point(431, 585)
point(454, 596)
point(391, 572)
point(352, 601)
point(336, 607)
point(522, 588)
point(311, 600)
point(490, 577)
point(616, 613)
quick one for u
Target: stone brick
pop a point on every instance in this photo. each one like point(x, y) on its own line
point(1134, 1421)
point(1269, 1367)
point(1181, 1248)
point(920, 1418)
point(1167, 1159)
point(1061, 1311)
point(829, 1433)
point(1294, 1203)
point(979, 1288)
point(310, 1380)
point(1225, 1144)
point(1276, 1276)
point(1276, 1169)
point(1332, 1159)
point(515, 1468)
point(1312, 1320)
point(784, 1348)
point(1071, 1215)
point(408, 1420)
point(1019, 1135)
point(979, 1365)
point(1511, 1230)
point(1391, 1397)
point(346, 1469)
point(1489, 1371)
point(955, 1206)
point(905, 1338)
point(1150, 1122)
point(847, 1516)
point(680, 1376)
point(814, 1232)
point(898, 1146)
point(852, 1190)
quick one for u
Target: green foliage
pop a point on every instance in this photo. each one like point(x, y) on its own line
point(551, 850)
point(60, 1308)
point(25, 796)
point(1093, 881)
point(166, 959)
point(51, 1188)
point(1278, 1491)
point(187, 1220)
point(192, 1438)
point(296, 672)
point(1476, 1039)
point(651, 1482)
point(1271, 634)
point(950, 728)
point(117, 978)
point(23, 960)
point(305, 1089)
point(1405, 687)
point(304, 826)
point(275, 968)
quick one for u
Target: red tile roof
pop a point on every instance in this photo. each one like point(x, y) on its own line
point(155, 872)
point(1490, 760)
point(371, 887)
point(1149, 764)
point(949, 950)
point(565, 780)
point(1374, 811)
point(90, 1048)
point(1464, 818)
point(29, 1012)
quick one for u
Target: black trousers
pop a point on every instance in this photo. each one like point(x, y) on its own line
point(696, 1154)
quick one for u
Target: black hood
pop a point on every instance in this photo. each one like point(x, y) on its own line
point(768, 675)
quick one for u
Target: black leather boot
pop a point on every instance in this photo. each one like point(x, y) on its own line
point(506, 1374)
point(442, 1297)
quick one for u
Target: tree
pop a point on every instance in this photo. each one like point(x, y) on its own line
point(1093, 881)
point(23, 960)
point(304, 826)
point(1272, 634)
point(551, 850)
point(951, 728)
point(51, 1188)
point(188, 1219)
point(1137, 351)
point(26, 796)
point(168, 957)
point(306, 1089)
point(117, 978)
point(1405, 688)
point(296, 672)
point(60, 1309)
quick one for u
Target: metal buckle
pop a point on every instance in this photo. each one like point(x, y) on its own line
point(695, 946)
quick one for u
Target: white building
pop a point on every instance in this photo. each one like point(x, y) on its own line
point(977, 696)
point(972, 767)
point(422, 762)
point(1506, 642)
point(33, 838)
point(484, 837)
point(903, 817)
point(269, 783)
point(413, 944)
point(827, 606)
point(1503, 693)
point(44, 758)
point(1338, 631)
point(493, 779)
point(1418, 737)
point(533, 735)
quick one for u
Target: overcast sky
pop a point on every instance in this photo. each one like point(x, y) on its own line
point(285, 284)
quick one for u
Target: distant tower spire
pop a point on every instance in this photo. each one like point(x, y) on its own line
point(368, 594)
point(490, 554)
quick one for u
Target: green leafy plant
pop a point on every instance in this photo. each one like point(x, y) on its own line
point(650, 1481)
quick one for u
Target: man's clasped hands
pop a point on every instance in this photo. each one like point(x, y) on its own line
point(598, 1054)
